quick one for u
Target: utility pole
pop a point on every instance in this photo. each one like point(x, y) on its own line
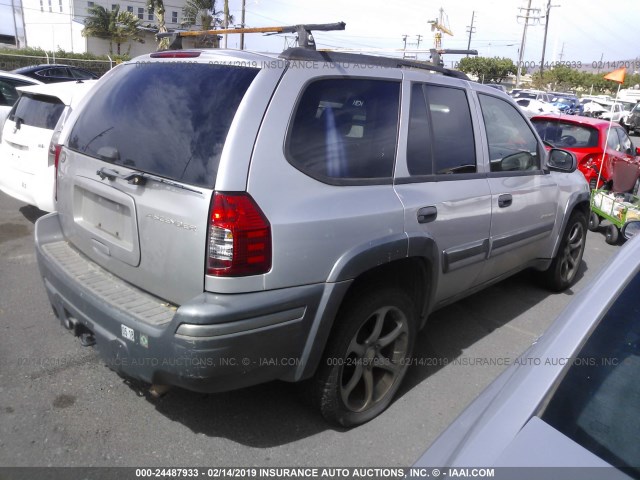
point(419, 38)
point(528, 17)
point(544, 42)
point(404, 39)
point(242, 22)
point(562, 52)
point(471, 30)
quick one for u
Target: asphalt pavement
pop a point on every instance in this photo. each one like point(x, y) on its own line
point(61, 406)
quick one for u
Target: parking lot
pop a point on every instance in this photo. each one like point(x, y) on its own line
point(60, 406)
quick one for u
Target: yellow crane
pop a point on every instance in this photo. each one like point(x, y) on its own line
point(440, 25)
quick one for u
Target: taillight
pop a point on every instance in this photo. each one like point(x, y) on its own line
point(54, 158)
point(239, 237)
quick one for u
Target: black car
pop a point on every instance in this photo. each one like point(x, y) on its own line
point(56, 73)
point(632, 124)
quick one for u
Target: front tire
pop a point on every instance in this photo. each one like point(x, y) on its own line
point(365, 358)
point(564, 268)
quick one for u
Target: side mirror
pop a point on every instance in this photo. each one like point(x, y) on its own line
point(562, 161)
point(630, 229)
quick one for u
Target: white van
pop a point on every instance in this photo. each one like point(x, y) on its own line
point(27, 171)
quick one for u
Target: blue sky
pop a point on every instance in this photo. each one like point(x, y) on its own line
point(580, 30)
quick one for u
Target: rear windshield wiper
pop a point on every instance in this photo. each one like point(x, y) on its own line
point(140, 179)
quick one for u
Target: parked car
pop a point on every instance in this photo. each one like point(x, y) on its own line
point(291, 223)
point(566, 104)
point(571, 400)
point(586, 137)
point(533, 95)
point(632, 123)
point(9, 82)
point(53, 73)
point(532, 107)
point(26, 158)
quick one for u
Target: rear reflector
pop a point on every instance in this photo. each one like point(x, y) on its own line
point(239, 237)
point(175, 54)
point(54, 159)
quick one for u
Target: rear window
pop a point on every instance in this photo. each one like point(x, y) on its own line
point(564, 134)
point(37, 111)
point(168, 119)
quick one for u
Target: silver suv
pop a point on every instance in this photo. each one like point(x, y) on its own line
point(228, 218)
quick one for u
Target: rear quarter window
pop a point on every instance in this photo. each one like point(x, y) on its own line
point(168, 119)
point(37, 111)
point(344, 131)
point(563, 134)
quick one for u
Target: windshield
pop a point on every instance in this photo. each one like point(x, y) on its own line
point(168, 119)
point(564, 134)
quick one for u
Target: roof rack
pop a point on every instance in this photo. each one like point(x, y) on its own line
point(390, 62)
point(305, 37)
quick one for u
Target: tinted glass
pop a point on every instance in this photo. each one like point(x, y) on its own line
point(81, 74)
point(512, 145)
point(8, 92)
point(345, 129)
point(613, 141)
point(169, 119)
point(55, 72)
point(453, 143)
point(37, 111)
point(565, 134)
point(598, 401)
point(419, 154)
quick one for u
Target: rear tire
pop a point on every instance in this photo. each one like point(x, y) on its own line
point(594, 221)
point(565, 265)
point(612, 235)
point(365, 358)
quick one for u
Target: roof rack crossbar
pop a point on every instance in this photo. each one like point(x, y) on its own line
point(305, 37)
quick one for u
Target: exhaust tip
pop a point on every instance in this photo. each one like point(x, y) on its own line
point(158, 391)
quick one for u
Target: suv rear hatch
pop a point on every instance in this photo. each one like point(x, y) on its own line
point(28, 130)
point(139, 166)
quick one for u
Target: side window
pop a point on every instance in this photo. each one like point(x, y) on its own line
point(440, 138)
point(345, 130)
point(625, 141)
point(613, 141)
point(512, 145)
point(453, 142)
point(419, 154)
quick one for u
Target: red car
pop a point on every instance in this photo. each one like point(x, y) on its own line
point(585, 137)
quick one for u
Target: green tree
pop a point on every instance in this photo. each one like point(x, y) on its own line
point(488, 70)
point(113, 25)
point(203, 14)
point(158, 9)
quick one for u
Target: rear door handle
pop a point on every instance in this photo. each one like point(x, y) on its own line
point(505, 200)
point(427, 214)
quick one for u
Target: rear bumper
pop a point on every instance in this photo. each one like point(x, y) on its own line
point(35, 189)
point(212, 343)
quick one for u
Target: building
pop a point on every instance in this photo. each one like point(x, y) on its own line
point(58, 24)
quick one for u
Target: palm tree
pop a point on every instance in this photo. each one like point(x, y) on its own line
point(113, 25)
point(203, 13)
point(158, 9)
